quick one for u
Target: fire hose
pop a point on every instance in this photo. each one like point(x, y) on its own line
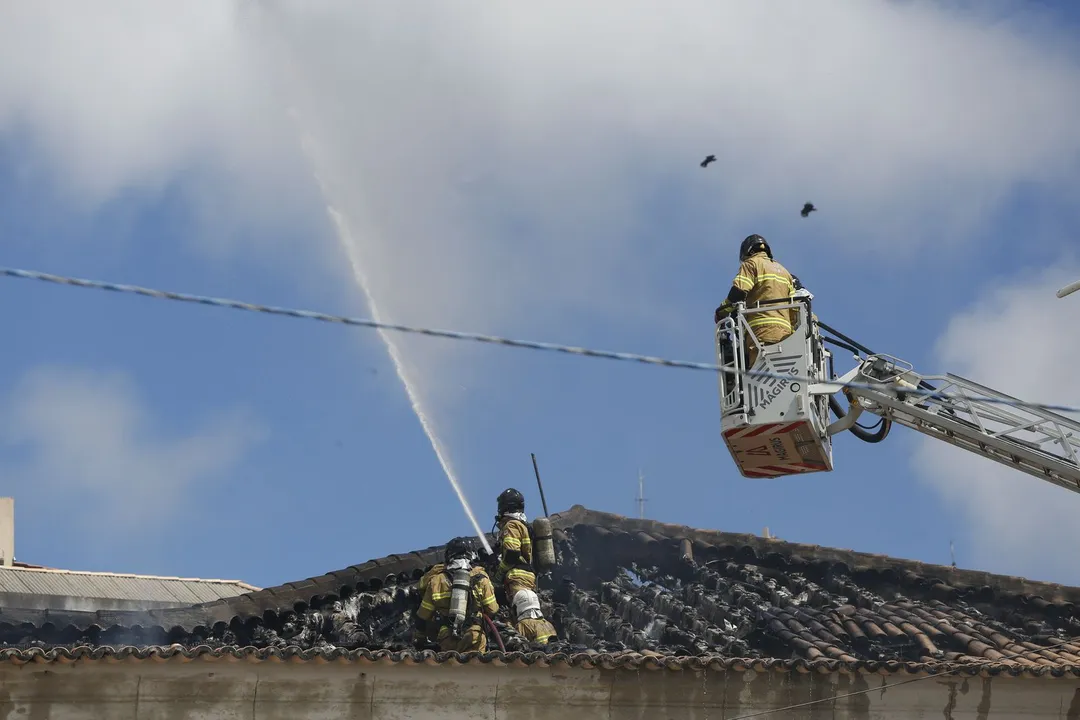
point(498, 637)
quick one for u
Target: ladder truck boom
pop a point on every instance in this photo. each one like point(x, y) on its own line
point(776, 426)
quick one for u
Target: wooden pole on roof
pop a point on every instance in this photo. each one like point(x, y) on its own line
point(539, 484)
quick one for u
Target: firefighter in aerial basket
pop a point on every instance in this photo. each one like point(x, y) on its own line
point(456, 599)
point(760, 278)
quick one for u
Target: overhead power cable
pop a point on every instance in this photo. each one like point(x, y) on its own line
point(343, 320)
point(473, 337)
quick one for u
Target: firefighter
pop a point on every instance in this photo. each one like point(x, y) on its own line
point(455, 600)
point(760, 278)
point(431, 633)
point(514, 544)
point(529, 620)
point(517, 570)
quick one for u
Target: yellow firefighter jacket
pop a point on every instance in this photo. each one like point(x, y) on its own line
point(436, 569)
point(436, 598)
point(514, 536)
point(764, 279)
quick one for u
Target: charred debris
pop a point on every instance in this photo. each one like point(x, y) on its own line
point(668, 597)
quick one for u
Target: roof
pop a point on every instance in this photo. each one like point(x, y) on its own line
point(38, 587)
point(586, 660)
point(627, 593)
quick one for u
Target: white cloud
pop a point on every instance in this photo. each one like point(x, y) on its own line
point(500, 163)
point(87, 443)
point(1019, 339)
point(495, 150)
point(146, 97)
point(495, 162)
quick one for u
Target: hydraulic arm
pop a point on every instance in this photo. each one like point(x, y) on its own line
point(965, 414)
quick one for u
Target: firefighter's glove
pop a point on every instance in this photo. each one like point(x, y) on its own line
point(724, 309)
point(419, 639)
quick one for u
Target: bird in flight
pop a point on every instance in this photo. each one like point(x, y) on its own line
point(706, 161)
point(807, 209)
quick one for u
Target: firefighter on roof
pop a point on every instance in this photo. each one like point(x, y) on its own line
point(518, 562)
point(514, 543)
point(455, 600)
point(760, 278)
point(432, 629)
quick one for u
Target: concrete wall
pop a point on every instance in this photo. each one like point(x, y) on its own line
point(283, 690)
point(7, 531)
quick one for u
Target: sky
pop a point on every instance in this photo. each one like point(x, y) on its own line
point(530, 171)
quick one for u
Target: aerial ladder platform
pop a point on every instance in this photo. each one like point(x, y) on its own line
point(777, 417)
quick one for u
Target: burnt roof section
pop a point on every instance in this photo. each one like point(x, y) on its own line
point(639, 586)
point(404, 567)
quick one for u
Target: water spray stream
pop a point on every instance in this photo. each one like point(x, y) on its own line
point(308, 147)
point(345, 237)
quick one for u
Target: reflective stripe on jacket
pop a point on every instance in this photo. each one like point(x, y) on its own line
point(764, 279)
point(514, 535)
point(437, 593)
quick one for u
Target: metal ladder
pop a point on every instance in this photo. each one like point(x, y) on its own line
point(1035, 441)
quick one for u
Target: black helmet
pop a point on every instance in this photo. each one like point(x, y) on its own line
point(751, 244)
point(511, 500)
point(459, 547)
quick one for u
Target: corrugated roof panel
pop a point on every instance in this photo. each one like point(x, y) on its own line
point(12, 581)
point(119, 587)
point(128, 588)
point(39, 583)
point(226, 590)
point(182, 592)
point(206, 592)
point(143, 588)
point(155, 589)
point(221, 590)
point(99, 586)
point(88, 586)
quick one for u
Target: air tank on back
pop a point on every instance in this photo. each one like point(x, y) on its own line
point(459, 596)
point(545, 546)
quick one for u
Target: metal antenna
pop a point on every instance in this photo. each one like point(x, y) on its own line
point(641, 495)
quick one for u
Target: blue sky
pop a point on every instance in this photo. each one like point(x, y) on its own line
point(531, 173)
